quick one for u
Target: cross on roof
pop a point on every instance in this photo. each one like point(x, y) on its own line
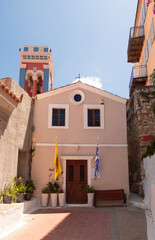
point(79, 77)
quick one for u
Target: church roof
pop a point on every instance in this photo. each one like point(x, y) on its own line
point(85, 86)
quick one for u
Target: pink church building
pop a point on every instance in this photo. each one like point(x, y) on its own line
point(78, 114)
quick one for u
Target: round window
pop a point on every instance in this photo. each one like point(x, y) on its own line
point(77, 97)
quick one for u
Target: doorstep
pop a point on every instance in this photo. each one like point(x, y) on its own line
point(76, 205)
point(67, 206)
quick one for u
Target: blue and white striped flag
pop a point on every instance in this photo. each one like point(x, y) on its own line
point(96, 163)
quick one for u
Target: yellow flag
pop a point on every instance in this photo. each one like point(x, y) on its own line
point(58, 169)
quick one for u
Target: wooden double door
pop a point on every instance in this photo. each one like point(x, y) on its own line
point(76, 181)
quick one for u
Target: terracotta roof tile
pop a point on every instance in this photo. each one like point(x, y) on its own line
point(11, 93)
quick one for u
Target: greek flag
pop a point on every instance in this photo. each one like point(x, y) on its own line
point(96, 163)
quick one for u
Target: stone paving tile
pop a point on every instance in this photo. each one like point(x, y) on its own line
point(131, 223)
point(118, 223)
point(66, 225)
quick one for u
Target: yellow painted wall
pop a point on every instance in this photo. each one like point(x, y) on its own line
point(148, 19)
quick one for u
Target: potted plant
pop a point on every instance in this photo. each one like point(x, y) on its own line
point(54, 189)
point(61, 197)
point(44, 196)
point(8, 193)
point(30, 187)
point(19, 189)
point(90, 195)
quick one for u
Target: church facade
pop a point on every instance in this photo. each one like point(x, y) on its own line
point(77, 115)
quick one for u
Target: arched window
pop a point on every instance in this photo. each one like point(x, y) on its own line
point(40, 84)
point(30, 83)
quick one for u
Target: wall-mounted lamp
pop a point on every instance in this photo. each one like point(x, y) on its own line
point(102, 101)
point(77, 147)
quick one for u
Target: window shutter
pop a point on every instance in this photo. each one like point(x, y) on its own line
point(152, 32)
point(149, 43)
point(143, 14)
point(146, 50)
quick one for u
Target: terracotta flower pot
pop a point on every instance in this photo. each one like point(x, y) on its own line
point(54, 199)
point(61, 199)
point(44, 199)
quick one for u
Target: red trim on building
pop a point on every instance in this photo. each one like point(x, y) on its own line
point(39, 66)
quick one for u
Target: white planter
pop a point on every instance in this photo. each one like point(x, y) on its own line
point(90, 199)
point(54, 199)
point(44, 199)
point(61, 199)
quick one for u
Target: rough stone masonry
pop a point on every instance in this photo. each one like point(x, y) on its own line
point(140, 130)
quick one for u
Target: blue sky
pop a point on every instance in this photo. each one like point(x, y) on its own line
point(89, 37)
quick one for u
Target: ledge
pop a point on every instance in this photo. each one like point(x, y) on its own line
point(10, 214)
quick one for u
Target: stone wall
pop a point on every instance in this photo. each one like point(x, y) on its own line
point(140, 123)
point(15, 132)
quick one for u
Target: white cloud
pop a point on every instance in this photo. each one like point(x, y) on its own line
point(93, 81)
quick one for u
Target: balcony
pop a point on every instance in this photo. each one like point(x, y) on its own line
point(136, 39)
point(138, 77)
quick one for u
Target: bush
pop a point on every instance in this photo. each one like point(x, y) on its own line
point(8, 190)
point(30, 187)
point(45, 190)
point(89, 189)
point(53, 187)
point(150, 150)
point(18, 186)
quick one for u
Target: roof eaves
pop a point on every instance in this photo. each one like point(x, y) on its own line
point(86, 86)
point(11, 93)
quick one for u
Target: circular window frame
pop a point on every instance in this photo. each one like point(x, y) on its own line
point(77, 92)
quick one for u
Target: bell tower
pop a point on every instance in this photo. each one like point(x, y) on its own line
point(36, 70)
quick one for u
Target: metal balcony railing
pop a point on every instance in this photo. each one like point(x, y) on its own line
point(135, 44)
point(136, 32)
point(138, 77)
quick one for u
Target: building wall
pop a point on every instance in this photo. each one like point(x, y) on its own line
point(141, 120)
point(149, 167)
point(148, 48)
point(16, 132)
point(114, 120)
point(79, 143)
point(149, 184)
point(140, 123)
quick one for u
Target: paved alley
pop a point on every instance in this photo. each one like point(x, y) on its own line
point(119, 223)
